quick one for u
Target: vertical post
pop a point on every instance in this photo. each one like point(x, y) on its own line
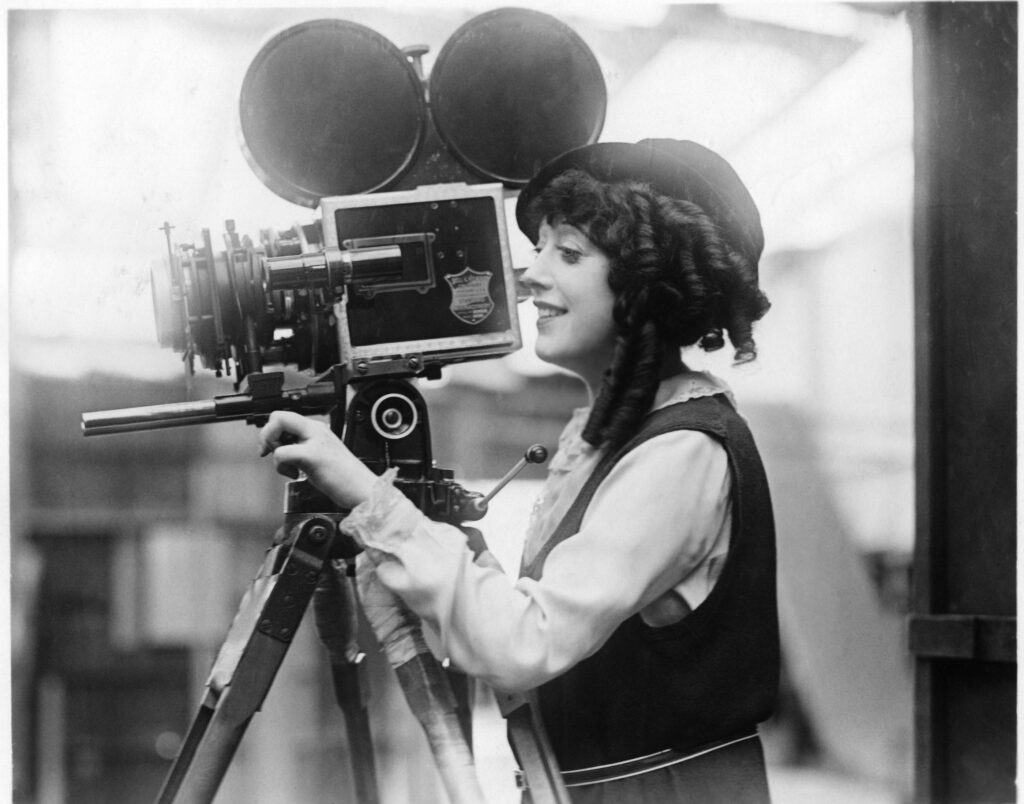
point(963, 621)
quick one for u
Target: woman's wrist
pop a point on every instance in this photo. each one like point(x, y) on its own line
point(355, 486)
point(385, 518)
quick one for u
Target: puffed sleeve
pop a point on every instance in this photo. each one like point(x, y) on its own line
point(652, 521)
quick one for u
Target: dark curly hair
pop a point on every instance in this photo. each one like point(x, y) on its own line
point(677, 282)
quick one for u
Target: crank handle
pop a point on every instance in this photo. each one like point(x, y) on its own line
point(537, 453)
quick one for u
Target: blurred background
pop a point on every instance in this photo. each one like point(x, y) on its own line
point(129, 553)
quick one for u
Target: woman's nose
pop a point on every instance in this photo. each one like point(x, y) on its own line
point(536, 277)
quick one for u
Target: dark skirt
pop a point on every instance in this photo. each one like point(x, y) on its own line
point(734, 774)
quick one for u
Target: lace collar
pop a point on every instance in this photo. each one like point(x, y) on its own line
point(677, 388)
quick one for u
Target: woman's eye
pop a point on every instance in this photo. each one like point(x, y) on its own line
point(570, 254)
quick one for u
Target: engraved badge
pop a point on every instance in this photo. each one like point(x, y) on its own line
point(471, 295)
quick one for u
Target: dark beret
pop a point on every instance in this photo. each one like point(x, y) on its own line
point(676, 168)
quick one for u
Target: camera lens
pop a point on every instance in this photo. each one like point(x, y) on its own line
point(168, 307)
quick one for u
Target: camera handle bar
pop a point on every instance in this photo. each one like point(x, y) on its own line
point(265, 393)
point(311, 560)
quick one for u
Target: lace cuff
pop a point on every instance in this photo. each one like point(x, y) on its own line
point(385, 521)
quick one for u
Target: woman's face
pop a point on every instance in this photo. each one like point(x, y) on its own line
point(569, 283)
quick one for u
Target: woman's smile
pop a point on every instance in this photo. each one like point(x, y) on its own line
point(545, 312)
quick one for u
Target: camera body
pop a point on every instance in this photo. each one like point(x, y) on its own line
point(450, 294)
point(408, 268)
point(386, 283)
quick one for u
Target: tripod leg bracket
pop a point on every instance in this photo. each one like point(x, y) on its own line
point(297, 579)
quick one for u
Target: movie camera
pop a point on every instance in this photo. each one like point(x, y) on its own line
point(408, 267)
point(406, 270)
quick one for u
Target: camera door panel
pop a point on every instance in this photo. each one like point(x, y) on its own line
point(467, 293)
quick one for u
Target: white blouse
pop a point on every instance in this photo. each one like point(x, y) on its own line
point(653, 540)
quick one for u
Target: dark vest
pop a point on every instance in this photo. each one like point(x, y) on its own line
point(710, 676)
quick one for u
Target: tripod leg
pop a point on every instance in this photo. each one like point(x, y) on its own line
point(337, 623)
point(350, 690)
point(530, 745)
point(429, 695)
point(424, 683)
point(463, 688)
point(220, 725)
point(186, 754)
point(248, 661)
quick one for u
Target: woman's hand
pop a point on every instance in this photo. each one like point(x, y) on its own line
point(302, 445)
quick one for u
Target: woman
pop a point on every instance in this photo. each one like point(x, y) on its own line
point(644, 616)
